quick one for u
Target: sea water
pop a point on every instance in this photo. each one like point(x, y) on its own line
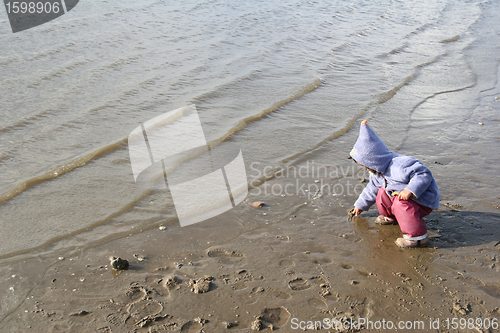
point(282, 80)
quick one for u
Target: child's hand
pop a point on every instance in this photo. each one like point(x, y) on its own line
point(405, 195)
point(357, 211)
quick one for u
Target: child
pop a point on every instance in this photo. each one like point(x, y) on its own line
point(402, 187)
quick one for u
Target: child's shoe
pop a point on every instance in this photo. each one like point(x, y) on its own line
point(381, 219)
point(406, 243)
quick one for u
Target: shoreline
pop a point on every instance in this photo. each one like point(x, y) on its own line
point(427, 79)
point(296, 257)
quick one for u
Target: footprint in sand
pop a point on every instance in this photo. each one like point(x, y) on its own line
point(225, 256)
point(143, 309)
point(318, 304)
point(279, 294)
point(286, 263)
point(275, 316)
point(117, 319)
point(319, 281)
point(298, 284)
point(191, 327)
point(134, 293)
point(172, 282)
point(59, 327)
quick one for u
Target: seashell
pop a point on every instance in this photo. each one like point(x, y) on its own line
point(258, 204)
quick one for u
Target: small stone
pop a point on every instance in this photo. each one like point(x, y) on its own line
point(481, 124)
point(497, 98)
point(119, 264)
point(228, 324)
point(200, 320)
point(139, 257)
point(353, 282)
point(162, 227)
point(61, 258)
point(258, 204)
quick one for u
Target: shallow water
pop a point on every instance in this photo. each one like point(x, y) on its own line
point(284, 82)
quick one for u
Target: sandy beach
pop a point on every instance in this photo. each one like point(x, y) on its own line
point(297, 268)
point(288, 84)
point(294, 263)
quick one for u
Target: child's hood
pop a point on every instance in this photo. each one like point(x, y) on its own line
point(370, 151)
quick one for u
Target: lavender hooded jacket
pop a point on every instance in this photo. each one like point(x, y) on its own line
point(397, 172)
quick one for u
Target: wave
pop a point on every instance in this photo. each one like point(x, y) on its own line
point(82, 160)
point(299, 156)
point(103, 221)
point(61, 169)
point(242, 123)
point(452, 39)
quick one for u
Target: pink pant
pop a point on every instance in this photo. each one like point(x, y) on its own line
point(408, 213)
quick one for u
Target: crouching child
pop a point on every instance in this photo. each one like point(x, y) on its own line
point(402, 187)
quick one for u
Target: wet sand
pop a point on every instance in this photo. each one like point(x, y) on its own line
point(428, 88)
point(286, 265)
point(301, 267)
